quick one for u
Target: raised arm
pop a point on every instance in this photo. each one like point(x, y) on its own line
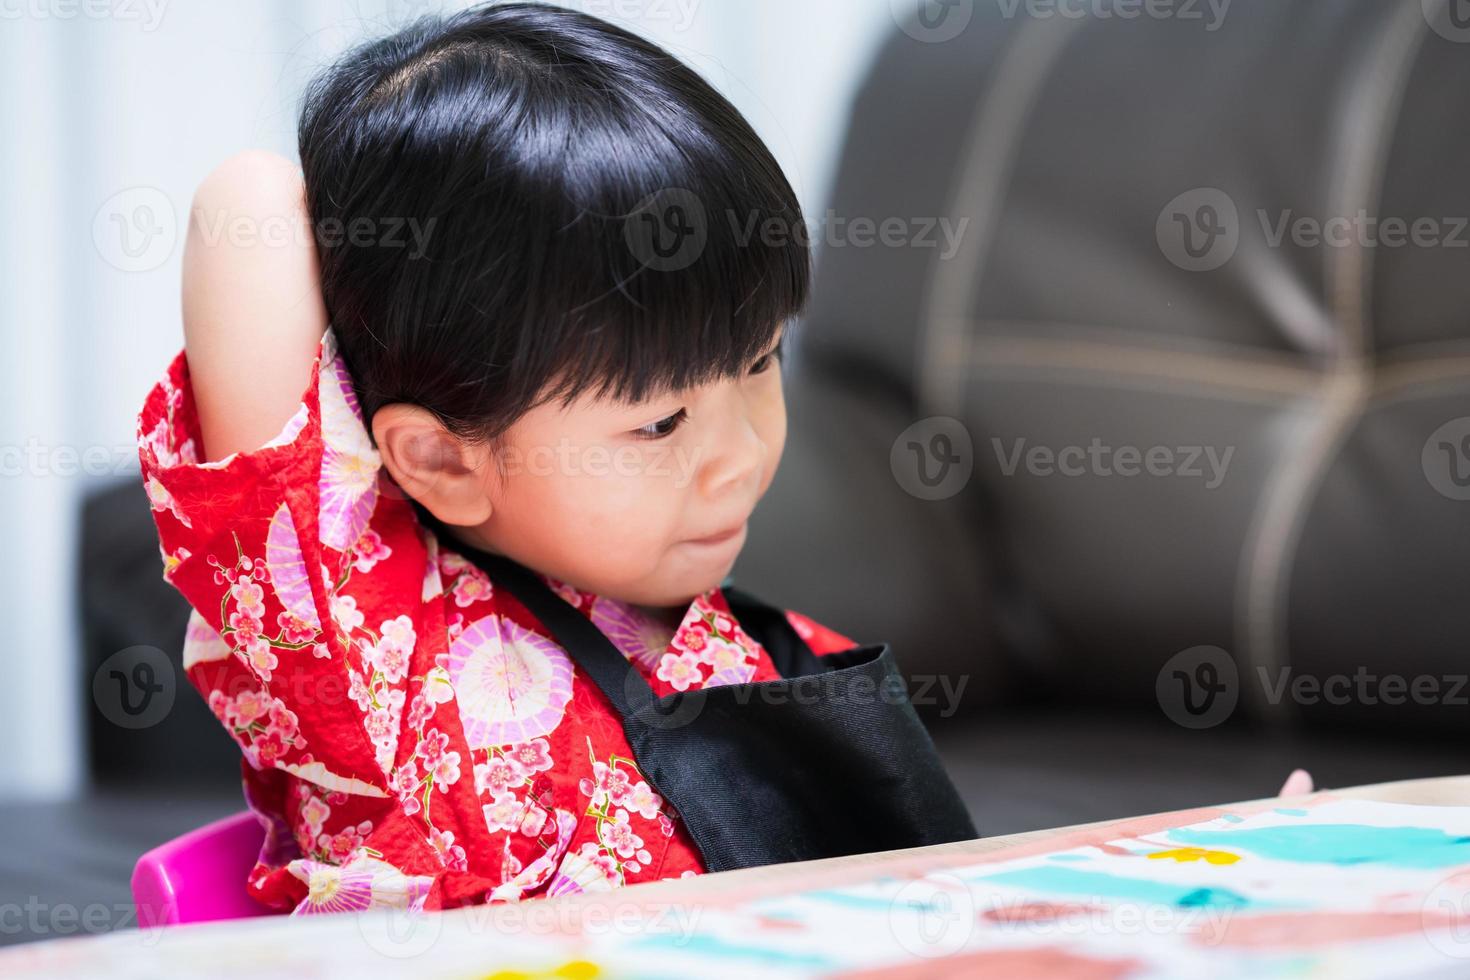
point(252, 304)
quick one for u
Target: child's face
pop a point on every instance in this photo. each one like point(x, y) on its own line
point(612, 498)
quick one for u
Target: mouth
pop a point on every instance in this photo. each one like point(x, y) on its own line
point(719, 539)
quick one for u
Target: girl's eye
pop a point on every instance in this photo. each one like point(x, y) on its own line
point(663, 427)
point(764, 362)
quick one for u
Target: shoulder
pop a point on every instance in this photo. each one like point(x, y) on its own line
point(251, 178)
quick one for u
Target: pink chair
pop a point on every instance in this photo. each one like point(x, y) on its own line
point(200, 876)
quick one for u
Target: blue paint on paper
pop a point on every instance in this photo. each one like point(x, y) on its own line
point(1341, 844)
point(1102, 885)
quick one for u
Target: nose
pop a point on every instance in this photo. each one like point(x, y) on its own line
point(736, 457)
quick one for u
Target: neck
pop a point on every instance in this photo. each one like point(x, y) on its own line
point(670, 616)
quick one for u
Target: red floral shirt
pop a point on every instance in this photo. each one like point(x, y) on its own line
point(412, 737)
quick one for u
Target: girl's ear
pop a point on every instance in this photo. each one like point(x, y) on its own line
point(449, 476)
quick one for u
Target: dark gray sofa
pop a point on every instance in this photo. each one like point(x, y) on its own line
point(1080, 591)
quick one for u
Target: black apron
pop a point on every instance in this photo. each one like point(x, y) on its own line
point(831, 759)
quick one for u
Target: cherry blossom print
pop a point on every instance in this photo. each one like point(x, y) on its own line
point(440, 763)
point(618, 835)
point(172, 561)
point(345, 613)
point(445, 771)
point(568, 593)
point(438, 687)
point(503, 812)
point(692, 637)
point(498, 775)
point(263, 725)
point(643, 800)
point(161, 500)
point(293, 631)
point(680, 670)
point(313, 813)
point(724, 655)
point(369, 550)
point(287, 569)
point(533, 819)
point(470, 587)
point(640, 637)
point(513, 684)
point(248, 595)
point(450, 853)
point(391, 653)
point(616, 786)
point(530, 757)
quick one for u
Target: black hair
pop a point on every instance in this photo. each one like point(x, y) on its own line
point(544, 155)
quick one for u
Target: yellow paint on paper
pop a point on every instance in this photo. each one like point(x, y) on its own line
point(1197, 854)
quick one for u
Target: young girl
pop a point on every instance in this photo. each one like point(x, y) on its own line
point(553, 346)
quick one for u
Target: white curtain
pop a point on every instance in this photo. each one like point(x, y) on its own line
point(110, 113)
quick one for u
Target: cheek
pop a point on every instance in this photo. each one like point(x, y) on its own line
point(611, 509)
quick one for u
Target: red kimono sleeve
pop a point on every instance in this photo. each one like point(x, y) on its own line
point(260, 544)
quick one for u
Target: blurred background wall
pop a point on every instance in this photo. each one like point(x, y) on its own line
point(110, 114)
